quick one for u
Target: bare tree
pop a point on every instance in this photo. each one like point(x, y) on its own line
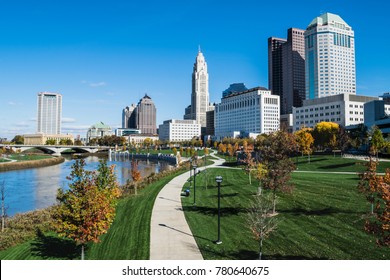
point(260, 219)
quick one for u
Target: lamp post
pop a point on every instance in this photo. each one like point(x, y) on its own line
point(194, 166)
point(218, 179)
point(190, 171)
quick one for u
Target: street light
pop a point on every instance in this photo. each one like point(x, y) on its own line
point(194, 166)
point(190, 171)
point(218, 179)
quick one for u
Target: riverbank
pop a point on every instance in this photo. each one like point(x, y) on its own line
point(16, 165)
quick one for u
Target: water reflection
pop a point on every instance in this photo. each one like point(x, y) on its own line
point(36, 188)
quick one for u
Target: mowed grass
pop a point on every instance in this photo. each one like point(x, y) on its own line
point(322, 218)
point(127, 239)
point(334, 164)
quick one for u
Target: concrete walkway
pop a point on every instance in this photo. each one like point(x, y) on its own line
point(170, 235)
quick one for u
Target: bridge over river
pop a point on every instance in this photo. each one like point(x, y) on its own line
point(56, 150)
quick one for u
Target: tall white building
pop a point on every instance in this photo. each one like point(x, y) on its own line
point(49, 113)
point(200, 91)
point(330, 57)
point(254, 111)
point(179, 130)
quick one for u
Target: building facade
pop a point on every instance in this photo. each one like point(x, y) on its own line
point(200, 91)
point(344, 109)
point(49, 113)
point(127, 131)
point(41, 138)
point(234, 88)
point(286, 69)
point(128, 117)
point(98, 130)
point(254, 111)
point(179, 130)
point(145, 116)
point(330, 57)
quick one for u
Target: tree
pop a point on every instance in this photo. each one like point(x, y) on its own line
point(377, 191)
point(51, 142)
point(377, 140)
point(305, 141)
point(78, 142)
point(215, 144)
point(325, 133)
point(260, 220)
point(260, 171)
point(248, 161)
point(368, 182)
point(135, 174)
point(230, 150)
point(87, 209)
point(18, 139)
point(222, 148)
point(147, 142)
point(181, 151)
point(174, 150)
point(275, 150)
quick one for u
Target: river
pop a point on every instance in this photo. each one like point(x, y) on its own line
point(36, 188)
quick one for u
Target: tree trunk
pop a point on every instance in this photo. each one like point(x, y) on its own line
point(372, 208)
point(274, 202)
point(259, 189)
point(250, 179)
point(260, 247)
point(309, 157)
point(82, 252)
point(135, 189)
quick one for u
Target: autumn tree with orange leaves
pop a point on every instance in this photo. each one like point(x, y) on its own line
point(377, 191)
point(87, 209)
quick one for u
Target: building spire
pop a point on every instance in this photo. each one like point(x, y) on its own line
point(199, 50)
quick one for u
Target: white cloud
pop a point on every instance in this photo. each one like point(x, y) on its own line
point(34, 119)
point(11, 103)
point(22, 124)
point(100, 84)
point(68, 120)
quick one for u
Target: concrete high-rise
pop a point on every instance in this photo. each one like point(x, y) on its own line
point(200, 91)
point(145, 115)
point(49, 113)
point(330, 57)
point(286, 69)
point(128, 117)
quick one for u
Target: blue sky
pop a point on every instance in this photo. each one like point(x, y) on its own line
point(104, 55)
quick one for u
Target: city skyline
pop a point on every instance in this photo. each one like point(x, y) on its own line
point(102, 57)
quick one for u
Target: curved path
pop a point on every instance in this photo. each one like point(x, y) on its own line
point(170, 235)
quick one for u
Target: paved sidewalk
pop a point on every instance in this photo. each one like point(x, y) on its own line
point(170, 235)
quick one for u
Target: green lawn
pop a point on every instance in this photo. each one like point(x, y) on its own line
point(127, 239)
point(322, 219)
point(334, 164)
point(25, 157)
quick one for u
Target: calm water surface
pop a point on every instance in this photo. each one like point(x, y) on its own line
point(36, 188)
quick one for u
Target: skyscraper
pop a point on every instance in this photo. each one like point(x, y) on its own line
point(200, 91)
point(330, 57)
point(286, 69)
point(145, 115)
point(49, 113)
point(128, 117)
